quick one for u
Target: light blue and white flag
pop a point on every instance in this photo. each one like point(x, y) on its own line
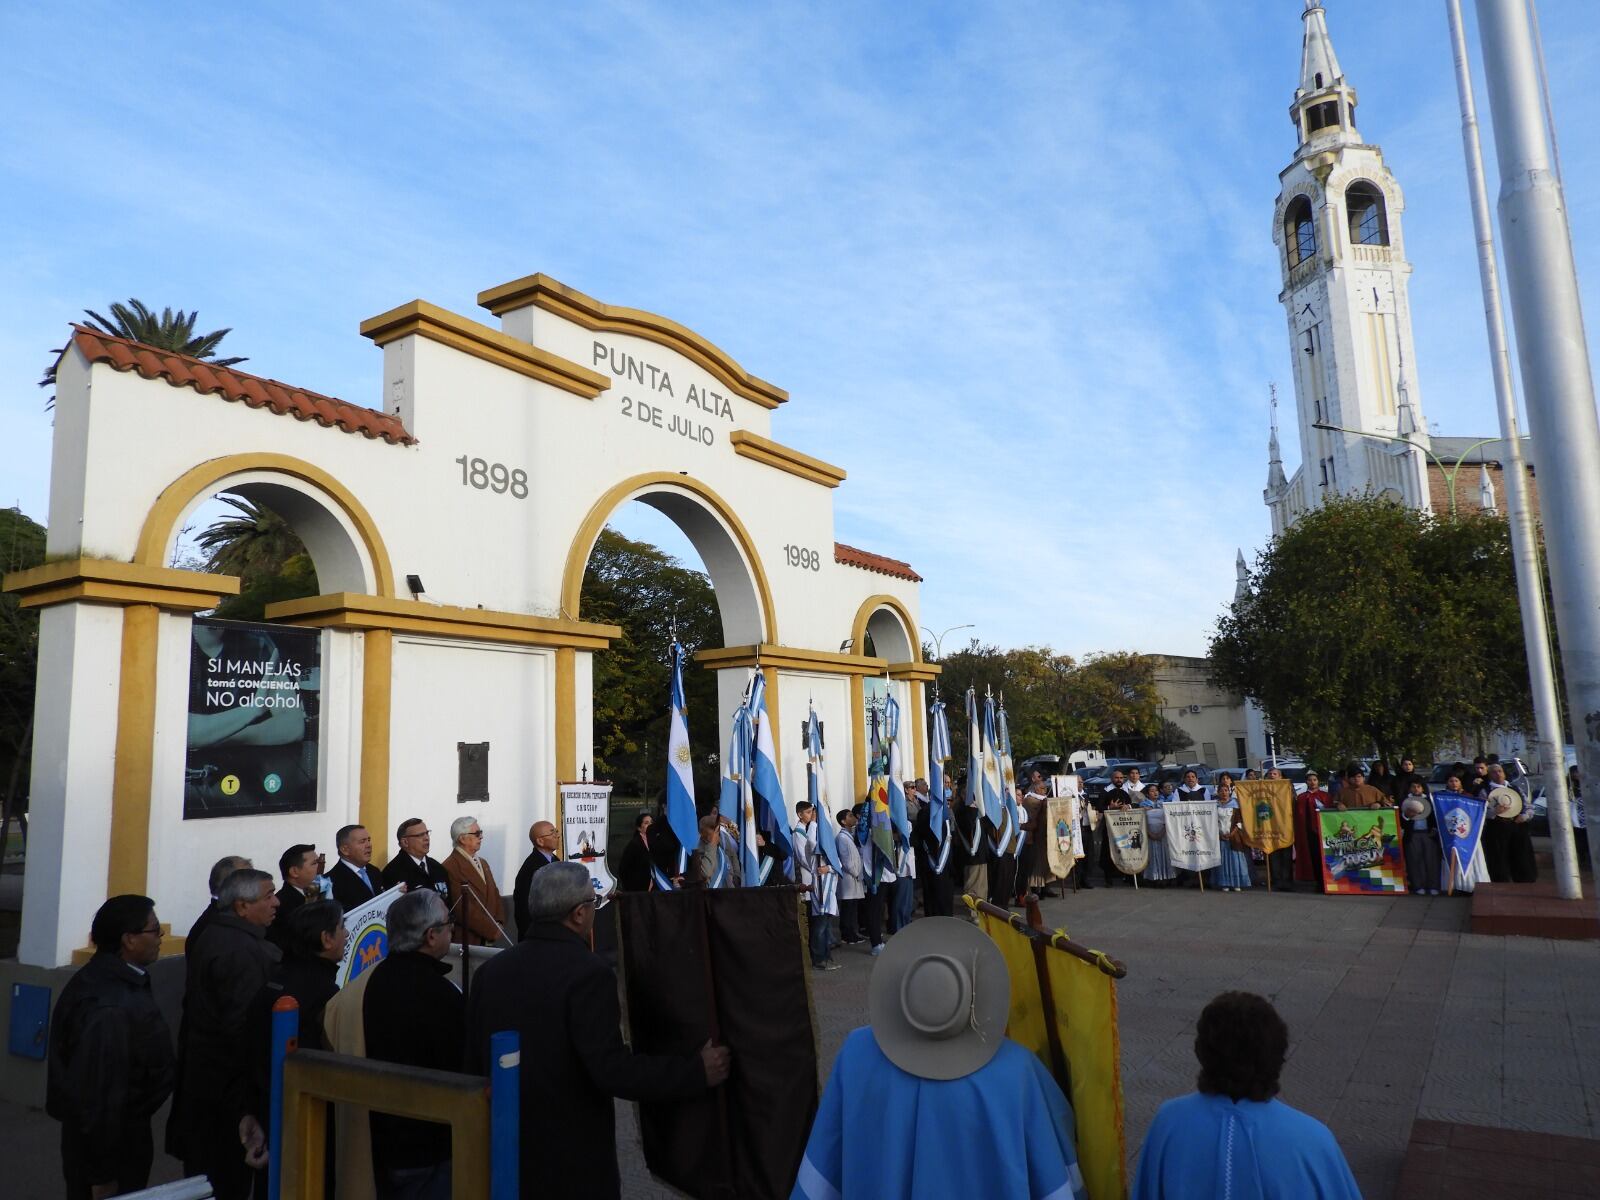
point(681, 815)
point(764, 780)
point(939, 805)
point(1460, 820)
point(974, 770)
point(897, 786)
point(1008, 776)
point(994, 788)
point(737, 801)
point(817, 790)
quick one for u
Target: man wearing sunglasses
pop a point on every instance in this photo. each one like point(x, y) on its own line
point(562, 998)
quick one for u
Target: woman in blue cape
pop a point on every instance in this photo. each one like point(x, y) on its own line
point(1230, 1138)
point(933, 1100)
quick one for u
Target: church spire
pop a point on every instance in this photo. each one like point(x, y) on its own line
point(1319, 65)
point(1324, 108)
point(1276, 481)
point(1241, 574)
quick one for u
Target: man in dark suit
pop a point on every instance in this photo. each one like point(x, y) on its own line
point(561, 997)
point(412, 866)
point(543, 836)
point(299, 866)
point(354, 879)
point(633, 869)
point(938, 887)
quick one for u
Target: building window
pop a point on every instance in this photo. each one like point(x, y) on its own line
point(1318, 404)
point(1208, 751)
point(1240, 753)
point(1369, 224)
point(1300, 231)
point(1323, 463)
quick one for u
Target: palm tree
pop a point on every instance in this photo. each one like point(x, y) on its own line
point(170, 331)
point(253, 545)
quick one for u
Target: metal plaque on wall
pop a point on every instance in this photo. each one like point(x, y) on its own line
point(472, 771)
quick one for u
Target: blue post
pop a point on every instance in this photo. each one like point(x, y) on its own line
point(505, 1102)
point(285, 1040)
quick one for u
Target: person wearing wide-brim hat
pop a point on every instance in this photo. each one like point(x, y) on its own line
point(1419, 831)
point(933, 1099)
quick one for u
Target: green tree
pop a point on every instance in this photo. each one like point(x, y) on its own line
point(21, 547)
point(1373, 626)
point(649, 594)
point(261, 548)
point(170, 331)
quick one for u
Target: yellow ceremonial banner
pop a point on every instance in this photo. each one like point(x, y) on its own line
point(1077, 1024)
point(1267, 809)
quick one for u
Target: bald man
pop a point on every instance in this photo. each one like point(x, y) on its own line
point(543, 836)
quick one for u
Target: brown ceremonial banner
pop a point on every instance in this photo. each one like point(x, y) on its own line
point(728, 963)
point(1267, 808)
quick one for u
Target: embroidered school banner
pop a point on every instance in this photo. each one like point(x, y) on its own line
point(1460, 821)
point(1267, 807)
point(1130, 847)
point(1064, 840)
point(1192, 835)
point(1361, 853)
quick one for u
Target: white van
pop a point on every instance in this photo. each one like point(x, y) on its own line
point(1082, 762)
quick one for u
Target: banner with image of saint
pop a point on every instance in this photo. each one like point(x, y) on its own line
point(1065, 841)
point(1130, 839)
point(1193, 836)
point(1361, 854)
point(1267, 809)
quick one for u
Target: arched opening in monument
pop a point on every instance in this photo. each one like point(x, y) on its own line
point(665, 564)
point(253, 738)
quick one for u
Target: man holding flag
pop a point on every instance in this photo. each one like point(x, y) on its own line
point(821, 884)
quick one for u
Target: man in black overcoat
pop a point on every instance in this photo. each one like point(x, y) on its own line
point(355, 880)
point(562, 998)
point(545, 844)
point(411, 864)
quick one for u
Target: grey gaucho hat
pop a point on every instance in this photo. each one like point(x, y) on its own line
point(939, 998)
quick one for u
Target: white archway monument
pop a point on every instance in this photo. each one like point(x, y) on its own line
point(496, 458)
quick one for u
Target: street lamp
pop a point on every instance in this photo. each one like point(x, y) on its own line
point(938, 638)
point(1449, 473)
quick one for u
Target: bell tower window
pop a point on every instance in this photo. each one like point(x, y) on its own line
point(1299, 231)
point(1320, 116)
point(1369, 224)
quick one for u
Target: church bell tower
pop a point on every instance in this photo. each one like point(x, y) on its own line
point(1346, 296)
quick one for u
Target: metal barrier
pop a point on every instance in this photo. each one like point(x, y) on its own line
point(482, 1114)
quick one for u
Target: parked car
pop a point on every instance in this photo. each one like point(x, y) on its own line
point(1096, 785)
point(1174, 774)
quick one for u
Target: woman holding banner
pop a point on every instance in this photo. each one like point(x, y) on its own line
point(1234, 873)
point(1420, 830)
point(1159, 867)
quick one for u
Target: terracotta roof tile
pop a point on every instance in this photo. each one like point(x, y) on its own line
point(254, 391)
point(868, 561)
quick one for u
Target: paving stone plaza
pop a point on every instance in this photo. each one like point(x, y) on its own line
point(1395, 1013)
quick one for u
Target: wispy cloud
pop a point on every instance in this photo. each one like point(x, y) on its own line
point(1023, 248)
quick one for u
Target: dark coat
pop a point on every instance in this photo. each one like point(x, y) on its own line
point(403, 868)
point(196, 929)
point(562, 998)
point(348, 889)
point(289, 899)
point(413, 1014)
point(633, 869)
point(967, 817)
point(111, 1060)
point(230, 964)
point(926, 845)
point(519, 898)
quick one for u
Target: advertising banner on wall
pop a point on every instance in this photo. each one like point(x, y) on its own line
point(585, 825)
point(254, 702)
point(1361, 852)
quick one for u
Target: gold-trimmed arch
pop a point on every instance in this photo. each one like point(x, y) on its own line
point(181, 492)
point(614, 497)
point(858, 629)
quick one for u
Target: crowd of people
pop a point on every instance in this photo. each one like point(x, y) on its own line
point(113, 1059)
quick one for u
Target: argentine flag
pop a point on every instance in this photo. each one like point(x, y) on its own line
point(764, 779)
point(737, 803)
point(817, 790)
point(897, 787)
point(1008, 776)
point(681, 815)
point(994, 795)
point(974, 769)
point(939, 807)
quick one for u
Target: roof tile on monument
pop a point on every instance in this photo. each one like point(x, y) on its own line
point(868, 561)
point(255, 391)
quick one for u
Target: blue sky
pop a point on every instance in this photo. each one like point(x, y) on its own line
point(1012, 259)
